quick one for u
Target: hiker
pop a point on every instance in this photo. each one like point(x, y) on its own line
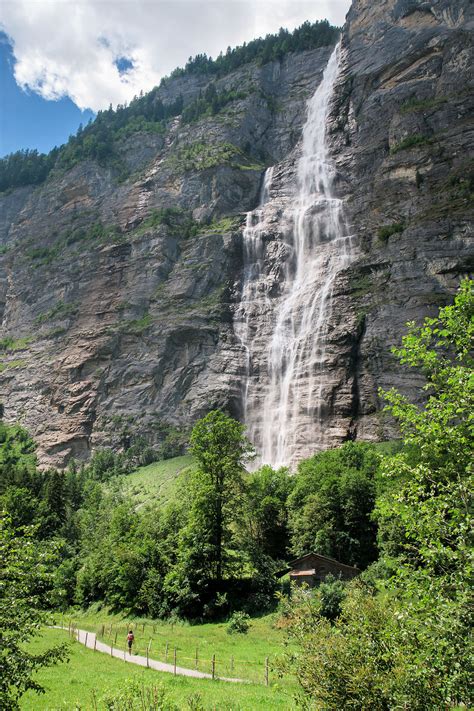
point(130, 638)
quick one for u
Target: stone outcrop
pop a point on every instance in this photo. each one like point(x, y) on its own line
point(121, 317)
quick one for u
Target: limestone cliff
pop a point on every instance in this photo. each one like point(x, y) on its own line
point(119, 297)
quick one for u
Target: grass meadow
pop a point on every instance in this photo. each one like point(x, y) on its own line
point(83, 681)
point(237, 655)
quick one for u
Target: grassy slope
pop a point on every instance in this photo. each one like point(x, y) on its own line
point(70, 685)
point(156, 482)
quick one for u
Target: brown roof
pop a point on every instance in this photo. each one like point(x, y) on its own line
point(323, 558)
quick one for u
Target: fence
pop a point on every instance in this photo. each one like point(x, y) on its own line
point(162, 650)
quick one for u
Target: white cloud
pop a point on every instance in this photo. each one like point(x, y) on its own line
point(70, 47)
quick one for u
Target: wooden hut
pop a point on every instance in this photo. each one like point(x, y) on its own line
point(313, 568)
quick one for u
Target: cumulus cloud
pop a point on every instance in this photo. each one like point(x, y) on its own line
point(99, 52)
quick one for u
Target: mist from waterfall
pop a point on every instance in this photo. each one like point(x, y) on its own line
point(285, 397)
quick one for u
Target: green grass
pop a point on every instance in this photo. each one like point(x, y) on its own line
point(70, 685)
point(60, 311)
point(156, 482)
point(240, 655)
point(217, 227)
point(10, 344)
point(12, 364)
point(202, 156)
point(360, 284)
point(136, 326)
point(413, 141)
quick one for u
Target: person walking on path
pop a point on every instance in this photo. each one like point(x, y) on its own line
point(130, 638)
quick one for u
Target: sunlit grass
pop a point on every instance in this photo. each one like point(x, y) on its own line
point(156, 482)
point(237, 655)
point(88, 675)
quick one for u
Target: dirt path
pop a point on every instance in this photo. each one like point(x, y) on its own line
point(89, 640)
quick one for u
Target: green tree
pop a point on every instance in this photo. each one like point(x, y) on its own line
point(25, 577)
point(330, 507)
point(264, 522)
point(221, 450)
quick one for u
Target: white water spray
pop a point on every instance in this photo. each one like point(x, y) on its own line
point(285, 419)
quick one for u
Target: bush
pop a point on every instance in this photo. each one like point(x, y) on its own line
point(388, 230)
point(239, 623)
point(135, 696)
point(331, 593)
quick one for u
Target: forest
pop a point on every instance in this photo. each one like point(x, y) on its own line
point(398, 636)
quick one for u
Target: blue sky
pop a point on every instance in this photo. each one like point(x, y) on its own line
point(26, 119)
point(63, 60)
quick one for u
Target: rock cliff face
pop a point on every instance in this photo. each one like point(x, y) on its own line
point(403, 137)
point(122, 315)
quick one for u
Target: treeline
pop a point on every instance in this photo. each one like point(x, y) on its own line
point(310, 35)
point(98, 140)
point(27, 167)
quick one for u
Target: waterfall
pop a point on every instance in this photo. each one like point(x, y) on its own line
point(254, 299)
point(287, 387)
point(294, 406)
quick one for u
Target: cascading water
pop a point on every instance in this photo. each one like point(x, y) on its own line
point(285, 416)
point(254, 298)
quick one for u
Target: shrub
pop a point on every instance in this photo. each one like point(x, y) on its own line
point(388, 230)
point(331, 593)
point(239, 623)
point(133, 696)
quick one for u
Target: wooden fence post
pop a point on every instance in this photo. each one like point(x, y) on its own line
point(95, 643)
point(266, 671)
point(175, 661)
point(103, 631)
point(143, 627)
point(213, 666)
point(85, 643)
point(147, 662)
point(115, 638)
point(196, 659)
point(166, 652)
